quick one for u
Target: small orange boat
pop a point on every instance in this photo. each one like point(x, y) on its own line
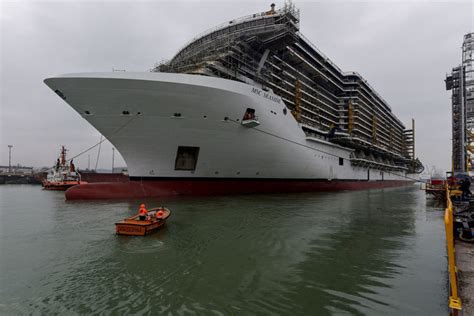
point(132, 226)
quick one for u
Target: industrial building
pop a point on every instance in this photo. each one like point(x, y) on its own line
point(461, 82)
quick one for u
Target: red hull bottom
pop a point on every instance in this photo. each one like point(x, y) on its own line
point(156, 188)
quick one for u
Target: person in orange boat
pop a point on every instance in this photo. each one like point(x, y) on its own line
point(142, 212)
point(159, 214)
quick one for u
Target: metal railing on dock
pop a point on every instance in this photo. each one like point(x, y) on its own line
point(454, 300)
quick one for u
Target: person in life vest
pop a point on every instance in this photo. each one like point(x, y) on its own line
point(159, 214)
point(142, 212)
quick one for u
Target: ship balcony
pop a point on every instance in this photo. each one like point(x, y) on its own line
point(250, 119)
point(252, 122)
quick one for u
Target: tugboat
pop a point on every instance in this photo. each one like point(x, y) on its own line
point(134, 226)
point(62, 176)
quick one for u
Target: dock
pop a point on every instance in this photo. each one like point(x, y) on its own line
point(460, 252)
point(20, 178)
point(465, 265)
point(459, 216)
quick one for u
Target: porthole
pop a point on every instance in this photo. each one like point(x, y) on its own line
point(257, 173)
point(125, 112)
point(226, 118)
point(205, 116)
point(238, 172)
point(87, 112)
point(60, 94)
point(217, 172)
point(285, 111)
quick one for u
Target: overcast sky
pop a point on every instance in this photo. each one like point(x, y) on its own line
point(403, 48)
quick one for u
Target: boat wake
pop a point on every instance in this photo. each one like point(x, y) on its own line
point(137, 245)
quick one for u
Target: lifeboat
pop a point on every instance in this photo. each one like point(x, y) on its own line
point(133, 226)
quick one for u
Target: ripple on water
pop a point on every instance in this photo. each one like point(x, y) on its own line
point(304, 254)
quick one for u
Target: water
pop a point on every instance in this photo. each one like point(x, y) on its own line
point(349, 253)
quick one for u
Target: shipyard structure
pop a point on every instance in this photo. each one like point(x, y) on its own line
point(248, 106)
point(461, 82)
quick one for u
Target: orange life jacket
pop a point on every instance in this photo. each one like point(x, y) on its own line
point(142, 212)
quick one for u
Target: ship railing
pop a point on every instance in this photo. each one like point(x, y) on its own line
point(454, 299)
point(368, 144)
point(326, 59)
point(222, 26)
point(345, 73)
point(365, 163)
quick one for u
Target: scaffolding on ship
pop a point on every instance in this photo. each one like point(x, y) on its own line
point(267, 50)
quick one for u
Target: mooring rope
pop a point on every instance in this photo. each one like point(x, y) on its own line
point(98, 152)
point(102, 139)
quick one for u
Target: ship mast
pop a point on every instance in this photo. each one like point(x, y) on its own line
point(63, 155)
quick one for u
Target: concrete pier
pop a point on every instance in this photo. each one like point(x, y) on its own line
point(465, 265)
point(21, 178)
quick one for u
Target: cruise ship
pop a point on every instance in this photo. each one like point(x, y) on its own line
point(250, 106)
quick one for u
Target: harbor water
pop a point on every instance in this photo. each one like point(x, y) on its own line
point(367, 252)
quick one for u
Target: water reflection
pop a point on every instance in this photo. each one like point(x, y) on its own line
point(345, 268)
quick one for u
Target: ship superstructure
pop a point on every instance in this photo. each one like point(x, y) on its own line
point(268, 50)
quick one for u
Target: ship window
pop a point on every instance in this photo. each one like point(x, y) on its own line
point(87, 112)
point(125, 112)
point(341, 161)
point(186, 158)
point(285, 111)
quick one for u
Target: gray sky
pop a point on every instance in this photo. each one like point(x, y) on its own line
point(403, 48)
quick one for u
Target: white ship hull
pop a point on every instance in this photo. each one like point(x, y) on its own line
point(147, 116)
